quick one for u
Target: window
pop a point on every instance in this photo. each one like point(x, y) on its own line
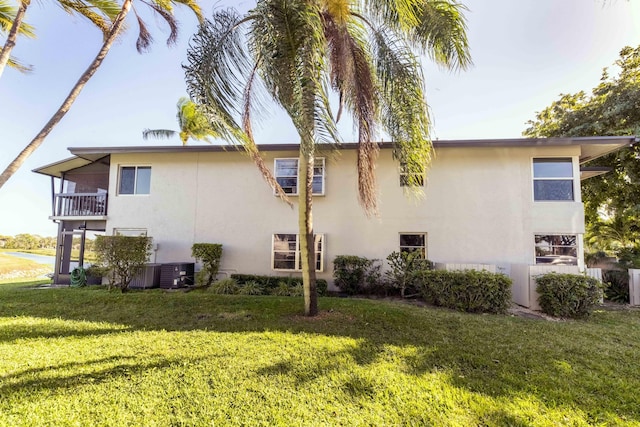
point(404, 176)
point(414, 242)
point(286, 252)
point(130, 232)
point(556, 249)
point(553, 179)
point(134, 180)
point(286, 172)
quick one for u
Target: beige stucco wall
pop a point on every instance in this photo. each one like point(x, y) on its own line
point(477, 207)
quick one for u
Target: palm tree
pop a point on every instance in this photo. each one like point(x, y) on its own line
point(193, 124)
point(7, 16)
point(364, 50)
point(99, 12)
point(163, 8)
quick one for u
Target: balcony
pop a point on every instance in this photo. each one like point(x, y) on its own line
point(80, 205)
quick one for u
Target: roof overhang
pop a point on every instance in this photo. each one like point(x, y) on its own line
point(587, 172)
point(57, 169)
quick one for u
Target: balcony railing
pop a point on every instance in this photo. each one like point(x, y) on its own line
point(81, 204)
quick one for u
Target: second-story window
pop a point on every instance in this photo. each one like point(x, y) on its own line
point(286, 173)
point(134, 180)
point(553, 179)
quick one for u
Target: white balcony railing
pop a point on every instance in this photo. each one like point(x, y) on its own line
point(81, 204)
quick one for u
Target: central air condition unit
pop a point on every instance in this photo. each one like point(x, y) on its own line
point(149, 277)
point(176, 275)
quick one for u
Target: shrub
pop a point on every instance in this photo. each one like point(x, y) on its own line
point(251, 288)
point(226, 286)
point(616, 285)
point(468, 290)
point(209, 254)
point(122, 257)
point(268, 283)
point(404, 266)
point(356, 275)
point(568, 295)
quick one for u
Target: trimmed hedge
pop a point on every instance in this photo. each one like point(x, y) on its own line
point(468, 290)
point(568, 295)
point(355, 275)
point(269, 283)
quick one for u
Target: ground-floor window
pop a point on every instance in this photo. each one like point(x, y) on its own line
point(556, 249)
point(414, 242)
point(130, 232)
point(286, 252)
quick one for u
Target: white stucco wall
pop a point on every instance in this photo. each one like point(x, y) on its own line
point(477, 208)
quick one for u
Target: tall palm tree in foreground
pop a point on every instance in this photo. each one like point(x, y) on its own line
point(163, 8)
point(365, 50)
point(193, 124)
point(99, 12)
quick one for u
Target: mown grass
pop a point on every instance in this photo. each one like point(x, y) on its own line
point(91, 357)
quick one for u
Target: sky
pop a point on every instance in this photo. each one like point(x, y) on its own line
point(525, 53)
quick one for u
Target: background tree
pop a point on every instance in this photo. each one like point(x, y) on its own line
point(612, 200)
point(365, 50)
point(162, 8)
point(99, 12)
point(193, 124)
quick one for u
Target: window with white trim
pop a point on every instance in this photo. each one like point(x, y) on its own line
point(405, 176)
point(134, 180)
point(130, 232)
point(285, 252)
point(556, 249)
point(286, 173)
point(414, 242)
point(553, 179)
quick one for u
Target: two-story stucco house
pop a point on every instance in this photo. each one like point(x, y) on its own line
point(509, 203)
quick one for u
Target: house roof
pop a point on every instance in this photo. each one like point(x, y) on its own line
point(591, 148)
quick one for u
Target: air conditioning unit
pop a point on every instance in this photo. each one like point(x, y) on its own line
point(149, 277)
point(177, 275)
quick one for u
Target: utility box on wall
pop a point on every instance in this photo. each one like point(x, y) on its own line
point(176, 275)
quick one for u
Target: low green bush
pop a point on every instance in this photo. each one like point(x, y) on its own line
point(251, 288)
point(268, 283)
point(568, 295)
point(226, 286)
point(404, 267)
point(616, 285)
point(210, 255)
point(468, 290)
point(355, 275)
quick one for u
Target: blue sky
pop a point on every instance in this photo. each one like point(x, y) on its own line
point(525, 53)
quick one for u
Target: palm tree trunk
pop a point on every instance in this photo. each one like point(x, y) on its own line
point(305, 225)
point(5, 54)
point(68, 102)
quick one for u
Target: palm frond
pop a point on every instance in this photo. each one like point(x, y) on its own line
point(164, 10)
point(7, 14)
point(217, 73)
point(93, 14)
point(158, 133)
point(437, 27)
point(193, 5)
point(404, 111)
point(17, 65)
point(143, 43)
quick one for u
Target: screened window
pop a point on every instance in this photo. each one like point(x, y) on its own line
point(134, 180)
point(553, 179)
point(286, 252)
point(556, 249)
point(414, 242)
point(286, 173)
point(405, 177)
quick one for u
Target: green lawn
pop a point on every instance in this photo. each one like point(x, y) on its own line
point(153, 358)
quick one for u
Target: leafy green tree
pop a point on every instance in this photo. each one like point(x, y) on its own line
point(366, 51)
point(612, 200)
point(163, 8)
point(193, 124)
point(122, 257)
